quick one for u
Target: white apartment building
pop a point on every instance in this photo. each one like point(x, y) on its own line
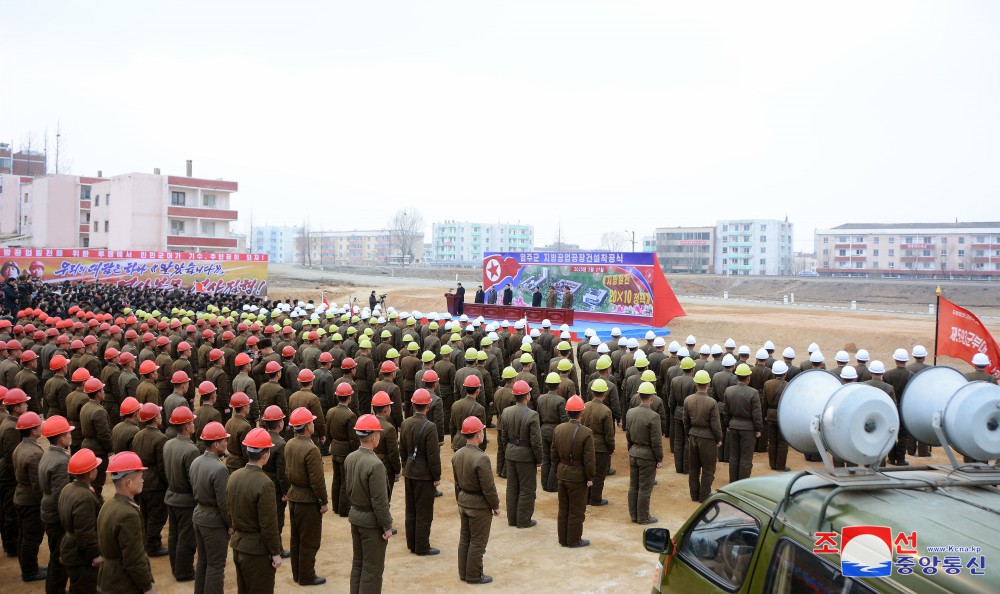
point(757, 247)
point(278, 242)
point(465, 242)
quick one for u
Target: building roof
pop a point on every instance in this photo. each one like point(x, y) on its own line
point(956, 225)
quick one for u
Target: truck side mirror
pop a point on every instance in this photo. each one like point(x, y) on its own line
point(657, 540)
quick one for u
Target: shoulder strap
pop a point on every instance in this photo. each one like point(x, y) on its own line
point(416, 442)
point(520, 420)
point(572, 442)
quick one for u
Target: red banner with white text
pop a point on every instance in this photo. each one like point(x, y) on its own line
point(961, 335)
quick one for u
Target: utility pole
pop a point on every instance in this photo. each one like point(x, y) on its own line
point(632, 233)
point(58, 136)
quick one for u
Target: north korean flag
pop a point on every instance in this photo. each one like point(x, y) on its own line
point(497, 269)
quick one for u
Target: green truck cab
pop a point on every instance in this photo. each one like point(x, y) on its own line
point(937, 527)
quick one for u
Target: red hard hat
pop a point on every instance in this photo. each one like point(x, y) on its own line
point(306, 376)
point(300, 416)
point(258, 439)
point(131, 320)
point(126, 357)
point(128, 406)
point(575, 403)
point(93, 385)
point(78, 325)
point(272, 367)
point(344, 389)
point(13, 345)
point(76, 344)
point(147, 367)
point(51, 332)
point(125, 462)
point(472, 425)
point(28, 420)
point(92, 322)
point(242, 326)
point(206, 387)
point(38, 335)
point(313, 335)
point(89, 340)
point(255, 327)
point(252, 340)
point(367, 423)
point(149, 411)
point(242, 359)
point(239, 399)
point(175, 323)
point(472, 381)
point(190, 329)
point(381, 398)
point(162, 341)
point(179, 377)
point(27, 356)
point(148, 337)
point(130, 334)
point(348, 363)
point(288, 330)
point(213, 431)
point(61, 339)
point(56, 425)
point(388, 367)
point(82, 462)
point(421, 396)
point(111, 353)
point(227, 336)
point(181, 415)
point(161, 326)
point(208, 334)
point(183, 346)
point(430, 376)
point(215, 354)
point(268, 330)
point(105, 327)
point(288, 351)
point(273, 413)
point(15, 396)
point(521, 387)
point(325, 357)
point(80, 375)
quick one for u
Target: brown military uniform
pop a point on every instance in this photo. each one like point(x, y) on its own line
point(645, 443)
point(741, 410)
point(777, 447)
point(74, 404)
point(211, 522)
point(306, 494)
point(368, 494)
point(476, 495)
point(178, 454)
point(77, 512)
point(395, 395)
point(700, 417)
point(237, 427)
point(120, 538)
point(419, 444)
point(53, 477)
point(343, 440)
point(520, 433)
point(307, 399)
point(460, 411)
point(551, 409)
point(250, 497)
point(148, 392)
point(681, 387)
point(96, 428)
point(203, 415)
point(122, 436)
point(27, 504)
point(575, 463)
point(270, 393)
point(56, 389)
point(148, 445)
point(387, 451)
point(598, 418)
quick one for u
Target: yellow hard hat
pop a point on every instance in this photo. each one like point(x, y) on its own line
point(563, 346)
point(647, 388)
point(702, 377)
point(687, 363)
point(642, 362)
point(553, 378)
point(743, 370)
point(603, 362)
point(599, 386)
point(648, 376)
point(508, 372)
point(527, 358)
point(365, 344)
point(564, 365)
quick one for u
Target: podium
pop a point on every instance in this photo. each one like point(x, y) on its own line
point(556, 315)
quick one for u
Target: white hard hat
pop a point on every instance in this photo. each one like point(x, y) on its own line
point(901, 355)
point(730, 343)
point(779, 368)
point(877, 367)
point(816, 357)
point(622, 342)
point(848, 373)
point(475, 323)
point(813, 347)
point(842, 357)
point(744, 350)
point(980, 360)
point(294, 314)
point(919, 351)
point(716, 349)
point(690, 340)
point(704, 350)
point(633, 343)
point(463, 318)
point(659, 342)
point(588, 332)
point(469, 328)
point(788, 353)
point(494, 337)
point(314, 317)
point(518, 325)
point(650, 335)
point(728, 360)
point(769, 346)
point(480, 318)
point(683, 352)
point(674, 346)
point(546, 323)
point(390, 309)
point(301, 304)
point(564, 327)
point(535, 333)
point(602, 348)
point(616, 331)
point(525, 340)
point(447, 325)
point(862, 355)
point(564, 335)
point(762, 354)
point(504, 324)
point(594, 340)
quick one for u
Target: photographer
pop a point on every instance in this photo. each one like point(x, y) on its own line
point(372, 300)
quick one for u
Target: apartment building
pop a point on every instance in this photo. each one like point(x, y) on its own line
point(465, 242)
point(757, 247)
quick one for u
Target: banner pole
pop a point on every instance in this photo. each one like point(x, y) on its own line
point(937, 321)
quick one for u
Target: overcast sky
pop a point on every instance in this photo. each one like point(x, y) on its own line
point(606, 115)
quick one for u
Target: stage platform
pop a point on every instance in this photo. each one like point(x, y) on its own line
point(577, 329)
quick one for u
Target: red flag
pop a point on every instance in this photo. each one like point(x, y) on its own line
point(326, 304)
point(497, 269)
point(960, 334)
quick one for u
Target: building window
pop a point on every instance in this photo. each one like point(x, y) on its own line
point(859, 239)
point(208, 228)
point(841, 252)
point(876, 239)
point(892, 252)
point(892, 265)
point(208, 200)
point(875, 265)
point(177, 198)
point(875, 253)
point(909, 239)
point(725, 228)
point(961, 253)
point(107, 199)
point(88, 216)
point(944, 253)
point(980, 239)
point(95, 226)
point(763, 238)
point(961, 265)
point(944, 240)
point(763, 261)
point(725, 250)
point(763, 229)
point(961, 239)
point(105, 226)
point(97, 200)
point(826, 252)
point(84, 192)
point(892, 239)
point(841, 240)
point(826, 239)
point(859, 252)
point(177, 227)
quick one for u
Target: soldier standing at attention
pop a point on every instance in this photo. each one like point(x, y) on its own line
point(681, 387)
point(125, 431)
point(28, 496)
point(273, 420)
point(777, 447)
point(78, 507)
point(368, 494)
point(178, 454)
point(575, 467)
point(478, 502)
point(465, 408)
point(305, 396)
point(125, 566)
point(521, 435)
point(250, 497)
point(387, 448)
point(148, 445)
point(502, 398)
point(598, 418)
point(306, 496)
point(96, 429)
point(237, 427)
point(702, 426)
point(645, 451)
point(343, 440)
point(52, 477)
point(551, 409)
point(741, 409)
point(211, 516)
point(422, 474)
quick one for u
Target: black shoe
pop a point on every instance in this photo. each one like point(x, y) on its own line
point(483, 580)
point(285, 554)
point(429, 552)
point(599, 503)
point(531, 524)
point(438, 494)
point(11, 553)
point(549, 490)
point(316, 582)
point(583, 543)
point(785, 469)
point(158, 553)
point(612, 472)
point(650, 520)
point(40, 575)
point(186, 578)
point(491, 426)
point(634, 521)
point(900, 463)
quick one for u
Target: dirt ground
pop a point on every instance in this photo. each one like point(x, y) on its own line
point(522, 560)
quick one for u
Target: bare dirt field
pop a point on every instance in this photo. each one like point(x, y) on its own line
point(524, 560)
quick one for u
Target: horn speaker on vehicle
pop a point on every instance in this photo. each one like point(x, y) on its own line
point(804, 398)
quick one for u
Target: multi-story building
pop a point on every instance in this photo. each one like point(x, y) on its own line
point(339, 248)
point(910, 250)
point(758, 247)
point(24, 162)
point(649, 243)
point(133, 211)
point(686, 249)
point(464, 241)
point(275, 241)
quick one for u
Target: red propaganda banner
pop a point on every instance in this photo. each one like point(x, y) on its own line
point(961, 335)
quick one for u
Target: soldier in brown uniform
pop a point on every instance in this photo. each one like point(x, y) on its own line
point(371, 522)
point(520, 433)
point(681, 387)
point(387, 448)
point(16, 403)
point(124, 432)
point(980, 362)
point(218, 376)
point(183, 363)
point(465, 408)
point(207, 413)
point(125, 567)
point(741, 413)
point(307, 498)
point(703, 427)
point(273, 420)
point(148, 445)
point(777, 447)
point(271, 391)
point(386, 384)
point(364, 375)
point(343, 440)
point(178, 453)
point(422, 474)
point(74, 404)
point(250, 497)
point(96, 429)
point(478, 501)
point(446, 370)
point(898, 377)
point(645, 442)
point(599, 419)
point(551, 409)
point(211, 516)
point(52, 477)
point(27, 380)
point(28, 496)
point(242, 382)
point(575, 467)
point(165, 363)
point(128, 381)
point(305, 397)
point(147, 390)
point(111, 376)
point(57, 388)
point(77, 511)
point(237, 427)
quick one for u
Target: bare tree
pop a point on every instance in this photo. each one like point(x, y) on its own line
point(306, 244)
point(406, 229)
point(614, 241)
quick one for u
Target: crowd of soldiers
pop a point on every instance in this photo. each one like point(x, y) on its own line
point(215, 422)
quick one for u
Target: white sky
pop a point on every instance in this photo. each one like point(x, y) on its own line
point(608, 115)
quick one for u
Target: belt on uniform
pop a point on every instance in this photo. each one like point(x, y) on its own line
point(640, 445)
point(340, 441)
point(519, 442)
point(209, 508)
point(467, 491)
point(570, 463)
point(365, 510)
